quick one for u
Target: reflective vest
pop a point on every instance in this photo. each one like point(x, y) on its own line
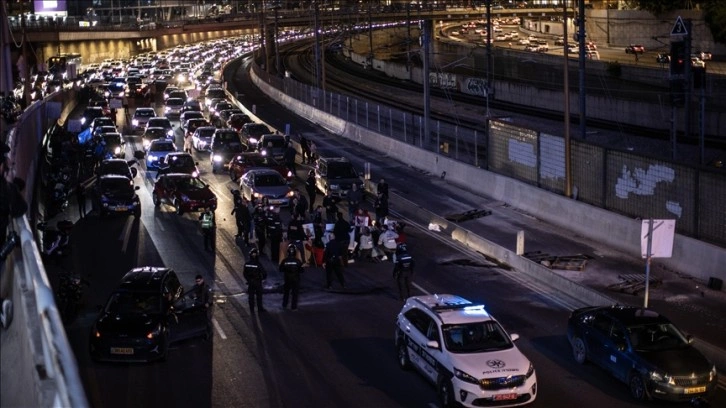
point(207, 219)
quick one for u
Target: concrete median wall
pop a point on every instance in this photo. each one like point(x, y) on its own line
point(696, 258)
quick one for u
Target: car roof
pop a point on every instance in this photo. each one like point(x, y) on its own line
point(263, 171)
point(451, 309)
point(114, 176)
point(630, 315)
point(148, 278)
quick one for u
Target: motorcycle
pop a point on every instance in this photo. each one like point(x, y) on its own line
point(56, 243)
point(69, 296)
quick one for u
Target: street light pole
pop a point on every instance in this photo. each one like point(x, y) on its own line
point(568, 165)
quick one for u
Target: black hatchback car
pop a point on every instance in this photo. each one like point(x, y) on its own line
point(642, 349)
point(147, 312)
point(117, 194)
point(224, 145)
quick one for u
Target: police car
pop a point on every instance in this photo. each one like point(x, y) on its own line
point(461, 348)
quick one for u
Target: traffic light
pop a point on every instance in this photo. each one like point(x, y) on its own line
point(678, 58)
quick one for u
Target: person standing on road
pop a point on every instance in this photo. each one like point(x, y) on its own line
point(342, 232)
point(311, 189)
point(305, 148)
point(81, 197)
point(333, 262)
point(330, 204)
point(403, 271)
point(355, 197)
point(201, 292)
point(260, 221)
point(208, 224)
point(291, 268)
point(242, 217)
point(188, 143)
point(381, 207)
point(289, 158)
point(254, 274)
point(382, 187)
point(274, 233)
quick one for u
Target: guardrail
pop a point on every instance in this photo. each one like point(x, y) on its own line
point(37, 365)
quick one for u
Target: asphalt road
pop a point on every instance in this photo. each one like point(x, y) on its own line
point(337, 350)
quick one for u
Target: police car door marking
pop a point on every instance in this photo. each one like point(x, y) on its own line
point(424, 360)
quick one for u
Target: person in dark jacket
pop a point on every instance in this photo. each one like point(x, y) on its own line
point(382, 187)
point(291, 268)
point(296, 233)
point(381, 207)
point(342, 232)
point(330, 204)
point(403, 271)
point(333, 262)
point(254, 274)
point(242, 217)
point(260, 219)
point(274, 233)
point(311, 189)
point(305, 148)
point(289, 158)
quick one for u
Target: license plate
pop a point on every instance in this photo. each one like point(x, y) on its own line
point(695, 390)
point(276, 201)
point(122, 350)
point(120, 208)
point(505, 397)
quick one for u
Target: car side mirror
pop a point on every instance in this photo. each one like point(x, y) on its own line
point(134, 172)
point(514, 337)
point(433, 344)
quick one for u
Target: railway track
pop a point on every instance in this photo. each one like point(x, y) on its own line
point(353, 80)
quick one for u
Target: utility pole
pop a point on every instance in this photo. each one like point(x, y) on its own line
point(426, 40)
point(370, 36)
point(278, 68)
point(568, 142)
point(318, 68)
point(582, 36)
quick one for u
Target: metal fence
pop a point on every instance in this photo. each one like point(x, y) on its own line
point(622, 182)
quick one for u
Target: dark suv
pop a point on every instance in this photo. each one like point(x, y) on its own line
point(224, 145)
point(147, 312)
point(251, 133)
point(117, 194)
point(336, 175)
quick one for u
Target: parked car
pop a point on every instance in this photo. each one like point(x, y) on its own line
point(241, 163)
point(266, 184)
point(115, 144)
point(457, 345)
point(643, 349)
point(663, 58)
point(202, 137)
point(115, 194)
point(183, 191)
point(336, 175)
point(157, 149)
point(224, 145)
point(237, 120)
point(172, 106)
point(162, 122)
point(178, 162)
point(634, 49)
point(141, 118)
point(118, 167)
point(251, 133)
point(272, 145)
point(144, 315)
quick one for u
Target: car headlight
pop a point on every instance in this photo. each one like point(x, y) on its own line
point(146, 143)
point(257, 195)
point(334, 187)
point(712, 374)
point(107, 94)
point(117, 150)
point(170, 132)
point(96, 333)
point(290, 194)
point(217, 158)
point(167, 109)
point(195, 173)
point(465, 377)
point(153, 158)
point(253, 140)
point(264, 152)
point(154, 333)
point(661, 378)
point(135, 122)
point(289, 174)
point(83, 121)
point(530, 370)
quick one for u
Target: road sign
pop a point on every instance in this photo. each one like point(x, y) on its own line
point(679, 28)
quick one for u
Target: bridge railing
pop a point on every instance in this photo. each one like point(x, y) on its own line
point(37, 365)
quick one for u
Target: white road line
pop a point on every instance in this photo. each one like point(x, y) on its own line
point(159, 224)
point(219, 329)
point(419, 287)
point(220, 196)
point(126, 233)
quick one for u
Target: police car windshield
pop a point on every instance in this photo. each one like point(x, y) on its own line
point(475, 337)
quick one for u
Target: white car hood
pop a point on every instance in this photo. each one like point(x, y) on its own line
point(495, 364)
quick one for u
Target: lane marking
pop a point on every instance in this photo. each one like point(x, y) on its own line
point(219, 328)
point(126, 233)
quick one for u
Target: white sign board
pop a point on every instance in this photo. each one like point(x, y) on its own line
point(679, 28)
point(661, 243)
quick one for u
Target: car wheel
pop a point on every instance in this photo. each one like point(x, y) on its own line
point(446, 394)
point(155, 199)
point(403, 360)
point(637, 387)
point(579, 351)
